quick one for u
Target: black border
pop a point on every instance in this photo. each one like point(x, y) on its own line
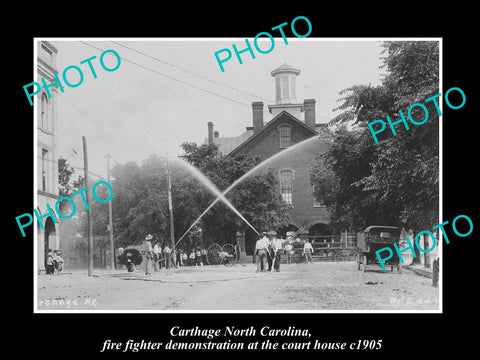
point(82, 334)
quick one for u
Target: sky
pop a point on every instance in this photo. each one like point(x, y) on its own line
point(153, 103)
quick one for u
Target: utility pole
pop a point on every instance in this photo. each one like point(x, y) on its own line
point(170, 210)
point(89, 216)
point(110, 217)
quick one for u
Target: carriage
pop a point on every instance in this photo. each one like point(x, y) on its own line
point(374, 238)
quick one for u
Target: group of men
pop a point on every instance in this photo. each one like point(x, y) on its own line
point(163, 253)
point(157, 254)
point(268, 251)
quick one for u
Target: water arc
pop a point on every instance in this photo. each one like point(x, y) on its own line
point(251, 171)
point(213, 189)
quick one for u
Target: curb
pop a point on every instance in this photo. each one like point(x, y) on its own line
point(421, 272)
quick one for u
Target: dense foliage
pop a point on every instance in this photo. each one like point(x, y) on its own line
point(396, 181)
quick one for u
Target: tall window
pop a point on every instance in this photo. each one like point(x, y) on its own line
point(285, 94)
point(44, 112)
point(286, 185)
point(278, 89)
point(44, 169)
point(285, 136)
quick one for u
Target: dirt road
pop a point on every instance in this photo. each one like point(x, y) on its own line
point(318, 286)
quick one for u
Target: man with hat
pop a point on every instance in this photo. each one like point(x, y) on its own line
point(261, 247)
point(289, 246)
point(277, 249)
point(270, 252)
point(148, 253)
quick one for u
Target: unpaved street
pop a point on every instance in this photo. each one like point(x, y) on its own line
point(318, 286)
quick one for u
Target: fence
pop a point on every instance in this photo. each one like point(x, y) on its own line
point(328, 247)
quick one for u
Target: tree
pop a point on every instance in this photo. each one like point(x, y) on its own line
point(257, 198)
point(65, 185)
point(140, 200)
point(396, 180)
point(140, 204)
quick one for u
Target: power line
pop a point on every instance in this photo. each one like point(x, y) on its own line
point(173, 78)
point(191, 72)
point(202, 76)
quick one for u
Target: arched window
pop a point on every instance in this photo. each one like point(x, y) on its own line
point(286, 185)
point(285, 136)
point(44, 112)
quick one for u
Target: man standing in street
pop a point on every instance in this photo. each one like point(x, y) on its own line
point(270, 251)
point(277, 249)
point(168, 255)
point(289, 248)
point(308, 251)
point(261, 252)
point(157, 252)
point(148, 253)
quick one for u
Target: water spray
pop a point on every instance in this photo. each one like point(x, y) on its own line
point(244, 176)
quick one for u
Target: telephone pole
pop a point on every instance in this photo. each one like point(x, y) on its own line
point(170, 210)
point(110, 217)
point(89, 219)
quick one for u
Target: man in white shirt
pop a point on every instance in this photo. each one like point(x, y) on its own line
point(289, 248)
point(270, 253)
point(157, 252)
point(261, 252)
point(308, 251)
point(168, 256)
point(277, 248)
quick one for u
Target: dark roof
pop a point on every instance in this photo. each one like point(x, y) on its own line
point(227, 144)
point(268, 126)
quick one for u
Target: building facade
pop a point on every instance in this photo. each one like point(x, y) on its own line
point(47, 165)
point(291, 140)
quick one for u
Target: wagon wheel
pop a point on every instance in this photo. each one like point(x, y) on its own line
point(364, 263)
point(230, 249)
point(213, 254)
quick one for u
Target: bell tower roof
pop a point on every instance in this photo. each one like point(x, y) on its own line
point(285, 68)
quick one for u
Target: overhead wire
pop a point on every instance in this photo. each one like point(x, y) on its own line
point(172, 78)
point(191, 72)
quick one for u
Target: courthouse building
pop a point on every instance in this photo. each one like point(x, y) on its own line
point(47, 166)
point(291, 122)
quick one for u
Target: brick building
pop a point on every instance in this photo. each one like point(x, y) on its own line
point(291, 122)
point(47, 168)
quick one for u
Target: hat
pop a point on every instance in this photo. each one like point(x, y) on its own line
point(272, 233)
point(264, 233)
point(149, 237)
